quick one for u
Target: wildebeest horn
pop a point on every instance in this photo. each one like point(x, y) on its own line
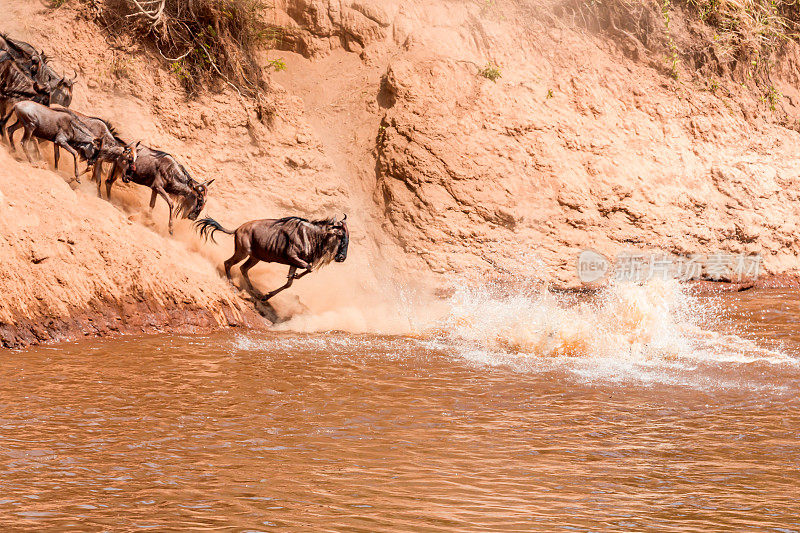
point(75, 77)
point(345, 218)
point(207, 182)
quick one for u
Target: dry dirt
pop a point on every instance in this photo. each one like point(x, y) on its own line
point(444, 174)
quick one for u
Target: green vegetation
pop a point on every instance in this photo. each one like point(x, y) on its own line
point(673, 59)
point(491, 72)
point(277, 64)
point(772, 97)
point(179, 70)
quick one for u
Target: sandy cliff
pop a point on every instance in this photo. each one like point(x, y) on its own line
point(584, 142)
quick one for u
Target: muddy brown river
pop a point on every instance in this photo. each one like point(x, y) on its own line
point(645, 410)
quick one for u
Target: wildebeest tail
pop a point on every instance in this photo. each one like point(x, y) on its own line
point(208, 226)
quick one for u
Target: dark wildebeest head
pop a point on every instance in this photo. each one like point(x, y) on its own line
point(194, 203)
point(320, 241)
point(89, 150)
point(339, 229)
point(128, 159)
point(61, 90)
point(35, 65)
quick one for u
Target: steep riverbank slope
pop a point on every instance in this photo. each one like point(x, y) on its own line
point(585, 141)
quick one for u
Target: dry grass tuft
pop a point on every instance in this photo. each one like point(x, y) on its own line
point(200, 39)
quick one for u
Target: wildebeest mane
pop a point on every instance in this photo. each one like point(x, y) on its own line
point(111, 129)
point(106, 123)
point(158, 154)
point(318, 222)
point(78, 122)
point(310, 236)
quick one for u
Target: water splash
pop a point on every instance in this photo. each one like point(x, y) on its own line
point(622, 320)
point(653, 332)
point(656, 332)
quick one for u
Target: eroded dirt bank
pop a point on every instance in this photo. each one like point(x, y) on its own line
point(382, 114)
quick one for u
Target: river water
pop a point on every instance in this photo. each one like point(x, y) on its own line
point(644, 409)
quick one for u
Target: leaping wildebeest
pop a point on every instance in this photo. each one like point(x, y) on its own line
point(58, 127)
point(165, 176)
point(292, 241)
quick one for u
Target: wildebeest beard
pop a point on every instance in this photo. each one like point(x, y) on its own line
point(341, 252)
point(190, 206)
point(89, 152)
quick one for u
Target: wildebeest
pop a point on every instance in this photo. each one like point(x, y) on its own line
point(15, 86)
point(59, 127)
point(112, 150)
point(165, 176)
point(14, 81)
point(24, 55)
point(35, 65)
point(292, 241)
point(18, 49)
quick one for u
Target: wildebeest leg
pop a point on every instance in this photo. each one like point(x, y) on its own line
point(295, 261)
point(153, 199)
point(62, 142)
point(292, 270)
point(245, 268)
point(56, 155)
point(97, 174)
point(112, 177)
point(26, 137)
point(5, 109)
point(10, 132)
point(238, 254)
point(167, 199)
point(303, 274)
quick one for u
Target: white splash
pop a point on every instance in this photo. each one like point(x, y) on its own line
point(643, 332)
